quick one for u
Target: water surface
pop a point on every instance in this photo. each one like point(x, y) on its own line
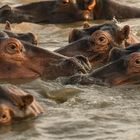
point(89, 112)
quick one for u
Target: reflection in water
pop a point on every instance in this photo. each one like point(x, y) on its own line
point(95, 113)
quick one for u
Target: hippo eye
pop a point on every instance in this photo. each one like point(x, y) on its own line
point(12, 48)
point(101, 39)
point(137, 61)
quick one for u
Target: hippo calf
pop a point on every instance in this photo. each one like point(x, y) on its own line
point(124, 68)
point(16, 105)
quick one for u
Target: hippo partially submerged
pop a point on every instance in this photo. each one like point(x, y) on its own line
point(64, 11)
point(107, 9)
point(96, 42)
point(124, 68)
point(16, 104)
point(55, 11)
point(24, 61)
point(120, 35)
point(28, 37)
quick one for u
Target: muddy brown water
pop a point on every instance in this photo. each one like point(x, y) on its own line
point(79, 112)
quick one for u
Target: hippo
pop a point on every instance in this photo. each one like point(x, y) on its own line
point(107, 9)
point(17, 105)
point(124, 68)
point(66, 11)
point(121, 35)
point(25, 61)
point(54, 11)
point(28, 37)
point(96, 42)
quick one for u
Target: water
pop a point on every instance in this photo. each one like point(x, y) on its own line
point(88, 112)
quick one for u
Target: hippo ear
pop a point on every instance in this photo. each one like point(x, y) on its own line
point(27, 99)
point(92, 5)
point(86, 25)
point(74, 35)
point(125, 31)
point(5, 9)
point(8, 26)
point(115, 54)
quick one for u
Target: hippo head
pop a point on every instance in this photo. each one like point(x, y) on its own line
point(120, 36)
point(124, 67)
point(58, 11)
point(28, 37)
point(21, 60)
point(95, 47)
point(16, 104)
point(74, 10)
point(7, 13)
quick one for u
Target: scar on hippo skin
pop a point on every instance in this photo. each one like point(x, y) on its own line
point(16, 104)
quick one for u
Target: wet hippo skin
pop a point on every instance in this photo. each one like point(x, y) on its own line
point(95, 42)
point(55, 11)
point(120, 35)
point(107, 9)
point(64, 11)
point(20, 60)
point(124, 68)
point(17, 105)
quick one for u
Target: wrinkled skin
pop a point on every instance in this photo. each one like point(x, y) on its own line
point(124, 68)
point(120, 35)
point(58, 11)
point(25, 61)
point(96, 42)
point(28, 37)
point(16, 105)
